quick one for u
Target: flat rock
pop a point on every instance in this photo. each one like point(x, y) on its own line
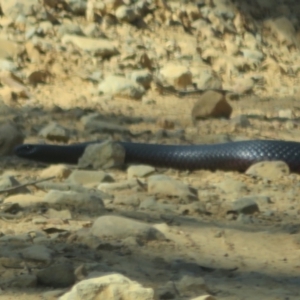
point(62, 199)
point(121, 86)
point(140, 171)
point(59, 171)
point(118, 186)
point(97, 47)
point(119, 227)
point(164, 185)
point(24, 199)
point(271, 170)
point(94, 123)
point(89, 178)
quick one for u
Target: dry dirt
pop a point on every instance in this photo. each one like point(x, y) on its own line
point(239, 256)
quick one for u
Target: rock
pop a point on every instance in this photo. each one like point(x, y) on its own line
point(282, 29)
point(253, 54)
point(10, 137)
point(205, 297)
point(231, 186)
point(54, 294)
point(167, 291)
point(190, 285)
point(39, 76)
point(148, 204)
point(111, 286)
point(94, 124)
point(177, 75)
point(241, 121)
point(38, 253)
point(55, 132)
point(105, 155)
point(22, 281)
point(119, 186)
point(7, 65)
point(286, 114)
point(58, 214)
point(16, 7)
point(133, 200)
point(165, 123)
point(8, 49)
point(245, 206)
point(61, 199)
point(139, 171)
point(122, 87)
point(59, 171)
point(24, 200)
point(7, 182)
point(126, 14)
point(207, 80)
point(72, 29)
point(142, 77)
point(57, 276)
point(120, 228)
point(164, 185)
point(89, 178)
point(211, 104)
point(94, 31)
point(271, 170)
point(97, 47)
point(243, 85)
point(15, 84)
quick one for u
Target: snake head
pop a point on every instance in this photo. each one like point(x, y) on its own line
point(24, 150)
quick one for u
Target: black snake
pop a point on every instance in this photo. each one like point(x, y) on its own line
point(235, 156)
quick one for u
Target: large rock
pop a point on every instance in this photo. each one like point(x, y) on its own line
point(112, 287)
point(211, 104)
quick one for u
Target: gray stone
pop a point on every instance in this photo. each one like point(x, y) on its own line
point(57, 276)
point(245, 206)
point(120, 228)
point(164, 185)
point(38, 253)
point(105, 155)
point(61, 199)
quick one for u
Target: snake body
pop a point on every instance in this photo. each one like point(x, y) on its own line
point(235, 156)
